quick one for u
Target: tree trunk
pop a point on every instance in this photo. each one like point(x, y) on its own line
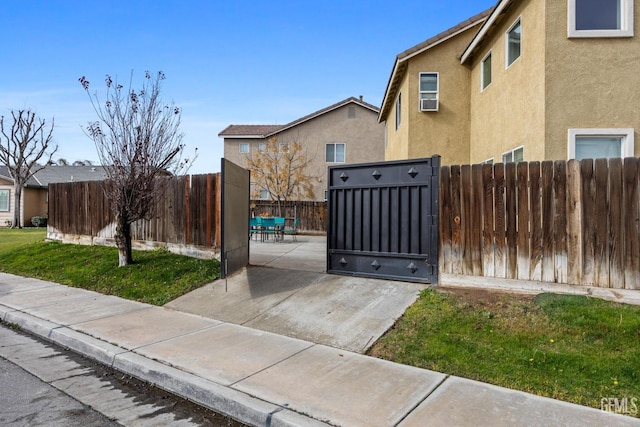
point(123, 241)
point(17, 202)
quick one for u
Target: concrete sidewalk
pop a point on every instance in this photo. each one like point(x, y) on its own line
point(264, 379)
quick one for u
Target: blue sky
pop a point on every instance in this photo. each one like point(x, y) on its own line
point(226, 62)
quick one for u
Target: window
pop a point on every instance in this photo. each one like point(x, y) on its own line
point(485, 71)
point(262, 146)
point(488, 162)
point(428, 91)
point(264, 194)
point(335, 153)
point(4, 200)
point(513, 156)
point(600, 18)
point(600, 143)
point(398, 110)
point(514, 36)
point(283, 147)
point(244, 148)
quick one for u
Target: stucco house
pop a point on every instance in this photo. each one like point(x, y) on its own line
point(35, 197)
point(524, 80)
point(345, 132)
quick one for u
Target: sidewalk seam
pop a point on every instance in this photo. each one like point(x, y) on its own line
point(421, 401)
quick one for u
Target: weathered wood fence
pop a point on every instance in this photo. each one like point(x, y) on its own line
point(312, 215)
point(187, 213)
point(574, 222)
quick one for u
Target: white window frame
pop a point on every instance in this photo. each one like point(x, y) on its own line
point(335, 144)
point(398, 110)
point(482, 85)
point(512, 152)
point(244, 145)
point(506, 42)
point(627, 135)
point(626, 22)
point(262, 146)
point(436, 92)
point(263, 194)
point(488, 161)
point(8, 200)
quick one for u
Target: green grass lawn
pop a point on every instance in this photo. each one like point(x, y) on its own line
point(156, 277)
point(572, 348)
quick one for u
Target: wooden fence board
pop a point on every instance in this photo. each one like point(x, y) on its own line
point(466, 222)
point(574, 223)
point(488, 252)
point(511, 220)
point(560, 221)
point(444, 262)
point(601, 244)
point(477, 196)
point(500, 222)
point(589, 222)
point(616, 228)
point(632, 223)
point(523, 213)
point(535, 222)
point(548, 225)
point(456, 226)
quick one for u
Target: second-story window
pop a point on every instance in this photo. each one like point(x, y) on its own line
point(244, 148)
point(398, 110)
point(485, 72)
point(600, 18)
point(514, 42)
point(429, 91)
point(335, 153)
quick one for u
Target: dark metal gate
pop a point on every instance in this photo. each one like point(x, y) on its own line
point(383, 220)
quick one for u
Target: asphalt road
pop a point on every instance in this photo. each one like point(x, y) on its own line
point(42, 384)
point(28, 401)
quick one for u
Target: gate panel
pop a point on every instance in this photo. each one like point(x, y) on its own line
point(383, 220)
point(235, 218)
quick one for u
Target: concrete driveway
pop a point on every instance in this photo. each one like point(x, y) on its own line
point(286, 291)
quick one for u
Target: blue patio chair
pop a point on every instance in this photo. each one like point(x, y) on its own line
point(268, 227)
point(254, 227)
point(293, 231)
point(279, 227)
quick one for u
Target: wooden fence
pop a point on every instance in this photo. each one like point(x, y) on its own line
point(574, 222)
point(187, 212)
point(312, 215)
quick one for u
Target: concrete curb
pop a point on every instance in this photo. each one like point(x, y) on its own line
point(233, 403)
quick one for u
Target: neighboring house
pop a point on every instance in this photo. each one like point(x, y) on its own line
point(526, 80)
point(35, 192)
point(346, 132)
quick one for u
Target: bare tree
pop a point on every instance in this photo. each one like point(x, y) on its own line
point(137, 139)
point(281, 169)
point(24, 142)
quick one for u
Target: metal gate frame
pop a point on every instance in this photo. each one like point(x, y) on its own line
point(383, 220)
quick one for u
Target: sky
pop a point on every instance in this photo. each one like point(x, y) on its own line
point(226, 62)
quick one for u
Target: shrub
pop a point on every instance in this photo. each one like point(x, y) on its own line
point(39, 221)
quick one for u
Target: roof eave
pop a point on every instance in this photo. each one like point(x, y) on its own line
point(486, 26)
point(400, 60)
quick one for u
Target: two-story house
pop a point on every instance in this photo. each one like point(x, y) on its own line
point(345, 132)
point(525, 80)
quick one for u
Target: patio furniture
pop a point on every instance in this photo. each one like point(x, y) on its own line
point(293, 231)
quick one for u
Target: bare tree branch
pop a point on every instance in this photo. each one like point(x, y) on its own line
point(137, 140)
point(24, 141)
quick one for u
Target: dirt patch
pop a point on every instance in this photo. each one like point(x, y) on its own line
point(488, 299)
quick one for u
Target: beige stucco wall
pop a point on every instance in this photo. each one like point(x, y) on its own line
point(510, 112)
point(362, 135)
point(398, 139)
point(445, 132)
point(34, 204)
point(590, 82)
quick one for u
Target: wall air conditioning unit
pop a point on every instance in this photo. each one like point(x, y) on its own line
point(428, 105)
